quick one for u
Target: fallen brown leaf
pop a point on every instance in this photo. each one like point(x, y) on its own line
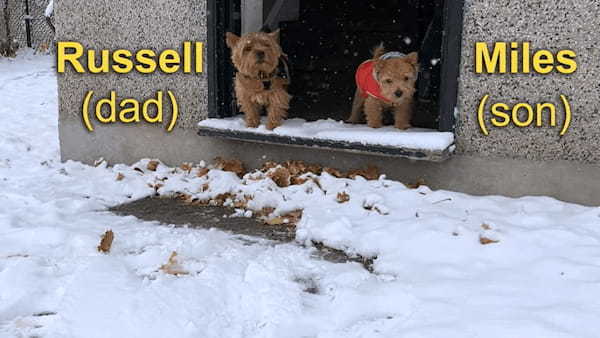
point(294, 216)
point(202, 172)
point(268, 166)
point(275, 221)
point(234, 166)
point(417, 184)
point(220, 199)
point(106, 241)
point(290, 219)
point(120, 177)
point(371, 173)
point(186, 167)
point(173, 267)
point(486, 226)
point(484, 240)
point(183, 197)
point(152, 165)
point(240, 204)
point(298, 180)
point(264, 212)
point(342, 197)
point(281, 176)
point(334, 172)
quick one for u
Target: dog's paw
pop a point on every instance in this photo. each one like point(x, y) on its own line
point(252, 124)
point(375, 125)
point(273, 125)
point(403, 126)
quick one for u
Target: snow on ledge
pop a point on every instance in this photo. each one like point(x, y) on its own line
point(414, 138)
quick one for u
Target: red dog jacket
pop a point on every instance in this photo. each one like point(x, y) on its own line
point(365, 77)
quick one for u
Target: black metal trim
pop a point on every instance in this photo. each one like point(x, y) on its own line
point(27, 24)
point(451, 59)
point(212, 58)
point(415, 154)
point(223, 16)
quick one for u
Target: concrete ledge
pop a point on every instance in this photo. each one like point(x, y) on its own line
point(565, 180)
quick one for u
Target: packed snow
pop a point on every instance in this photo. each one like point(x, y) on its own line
point(445, 264)
point(414, 138)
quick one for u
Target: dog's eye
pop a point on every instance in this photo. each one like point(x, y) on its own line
point(388, 81)
point(406, 78)
point(247, 49)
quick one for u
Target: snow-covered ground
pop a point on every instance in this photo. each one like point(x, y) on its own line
point(432, 277)
point(414, 138)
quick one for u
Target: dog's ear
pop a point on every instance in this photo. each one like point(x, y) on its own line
point(275, 35)
point(231, 40)
point(413, 58)
point(377, 67)
point(378, 51)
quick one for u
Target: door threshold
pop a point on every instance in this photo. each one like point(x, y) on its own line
point(414, 143)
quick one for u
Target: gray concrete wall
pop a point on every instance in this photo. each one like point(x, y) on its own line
point(2, 23)
point(566, 180)
point(552, 25)
point(131, 25)
point(508, 162)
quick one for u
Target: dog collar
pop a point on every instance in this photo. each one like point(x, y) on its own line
point(392, 55)
point(386, 56)
point(281, 71)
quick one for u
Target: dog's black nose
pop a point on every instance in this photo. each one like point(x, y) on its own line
point(398, 93)
point(260, 55)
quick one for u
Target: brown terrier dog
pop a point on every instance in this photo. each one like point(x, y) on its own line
point(259, 82)
point(387, 81)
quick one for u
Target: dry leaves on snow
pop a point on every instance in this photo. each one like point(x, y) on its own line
point(173, 267)
point(187, 167)
point(152, 165)
point(371, 173)
point(417, 184)
point(281, 176)
point(342, 197)
point(106, 241)
point(234, 166)
point(291, 219)
point(484, 240)
point(202, 172)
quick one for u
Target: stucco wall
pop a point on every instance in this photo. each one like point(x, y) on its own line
point(552, 25)
point(132, 25)
point(506, 162)
point(2, 23)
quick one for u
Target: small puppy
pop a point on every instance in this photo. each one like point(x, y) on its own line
point(387, 81)
point(260, 81)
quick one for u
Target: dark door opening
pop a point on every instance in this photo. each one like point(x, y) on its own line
point(326, 40)
point(342, 35)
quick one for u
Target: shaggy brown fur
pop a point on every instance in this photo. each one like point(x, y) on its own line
point(256, 57)
point(396, 78)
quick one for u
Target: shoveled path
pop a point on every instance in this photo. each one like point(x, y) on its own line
point(178, 213)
